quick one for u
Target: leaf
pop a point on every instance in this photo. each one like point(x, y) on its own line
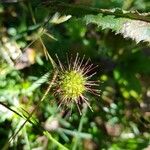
point(137, 30)
point(131, 24)
point(82, 10)
point(36, 84)
point(57, 19)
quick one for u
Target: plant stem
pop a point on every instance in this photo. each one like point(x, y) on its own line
point(81, 10)
point(36, 107)
point(80, 127)
point(26, 139)
point(46, 133)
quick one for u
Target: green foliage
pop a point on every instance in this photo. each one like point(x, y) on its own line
point(136, 29)
point(33, 32)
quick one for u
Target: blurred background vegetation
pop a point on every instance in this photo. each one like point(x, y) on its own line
point(121, 117)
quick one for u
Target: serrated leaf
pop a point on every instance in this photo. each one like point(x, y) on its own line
point(82, 10)
point(131, 24)
point(137, 30)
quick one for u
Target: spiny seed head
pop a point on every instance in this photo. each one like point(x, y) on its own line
point(73, 82)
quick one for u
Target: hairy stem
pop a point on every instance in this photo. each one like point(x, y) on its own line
point(81, 10)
